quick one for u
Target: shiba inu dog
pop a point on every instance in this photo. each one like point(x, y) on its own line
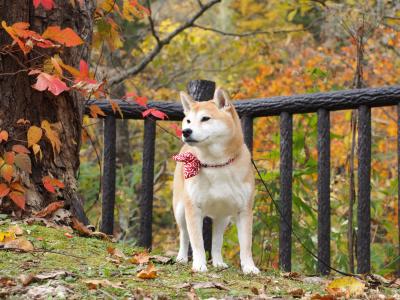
point(214, 178)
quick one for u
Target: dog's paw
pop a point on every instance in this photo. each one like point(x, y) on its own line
point(199, 267)
point(182, 259)
point(220, 264)
point(250, 269)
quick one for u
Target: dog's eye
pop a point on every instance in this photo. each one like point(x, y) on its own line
point(203, 119)
point(188, 121)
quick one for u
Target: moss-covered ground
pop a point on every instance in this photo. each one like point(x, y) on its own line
point(88, 259)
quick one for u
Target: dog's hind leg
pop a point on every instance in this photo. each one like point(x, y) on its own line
point(183, 234)
point(219, 226)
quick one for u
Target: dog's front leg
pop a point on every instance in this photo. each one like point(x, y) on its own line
point(194, 221)
point(244, 225)
point(219, 225)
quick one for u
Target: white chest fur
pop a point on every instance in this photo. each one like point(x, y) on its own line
point(220, 192)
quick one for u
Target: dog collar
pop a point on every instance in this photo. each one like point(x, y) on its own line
point(192, 165)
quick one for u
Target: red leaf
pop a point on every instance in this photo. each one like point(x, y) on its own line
point(18, 198)
point(129, 96)
point(20, 149)
point(147, 112)
point(4, 190)
point(9, 157)
point(178, 130)
point(47, 184)
point(47, 4)
point(141, 100)
point(159, 114)
point(51, 183)
point(65, 36)
point(84, 69)
point(52, 83)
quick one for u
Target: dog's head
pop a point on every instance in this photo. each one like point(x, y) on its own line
point(209, 122)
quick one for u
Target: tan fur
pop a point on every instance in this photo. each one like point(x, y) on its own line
point(237, 178)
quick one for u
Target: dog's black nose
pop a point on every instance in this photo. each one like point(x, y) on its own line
point(187, 132)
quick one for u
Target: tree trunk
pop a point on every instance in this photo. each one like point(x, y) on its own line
point(19, 101)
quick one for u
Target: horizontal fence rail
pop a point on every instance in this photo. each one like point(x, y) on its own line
point(274, 106)
point(284, 107)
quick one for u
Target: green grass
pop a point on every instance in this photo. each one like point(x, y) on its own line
point(87, 258)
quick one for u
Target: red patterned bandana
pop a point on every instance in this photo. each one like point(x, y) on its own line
point(192, 165)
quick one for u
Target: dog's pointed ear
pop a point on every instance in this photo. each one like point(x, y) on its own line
point(187, 102)
point(221, 98)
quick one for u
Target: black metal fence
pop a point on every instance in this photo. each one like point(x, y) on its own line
point(321, 103)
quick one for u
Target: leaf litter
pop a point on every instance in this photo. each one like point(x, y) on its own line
point(154, 274)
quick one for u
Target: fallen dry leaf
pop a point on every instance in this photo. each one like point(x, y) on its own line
point(52, 275)
point(140, 258)
point(291, 275)
point(82, 229)
point(161, 259)
point(255, 291)
point(5, 282)
point(150, 272)
point(296, 293)
point(16, 230)
point(48, 223)
point(395, 283)
point(68, 235)
point(203, 285)
point(191, 295)
point(100, 235)
point(49, 209)
point(323, 297)
point(116, 252)
point(345, 286)
point(20, 244)
point(97, 283)
point(26, 279)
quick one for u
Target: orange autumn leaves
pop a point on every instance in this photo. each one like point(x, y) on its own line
point(51, 78)
point(52, 37)
point(139, 258)
point(16, 161)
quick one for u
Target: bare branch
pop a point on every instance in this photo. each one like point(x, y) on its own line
point(165, 41)
point(151, 22)
point(246, 34)
point(258, 32)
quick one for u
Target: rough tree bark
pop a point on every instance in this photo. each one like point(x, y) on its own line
point(18, 100)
